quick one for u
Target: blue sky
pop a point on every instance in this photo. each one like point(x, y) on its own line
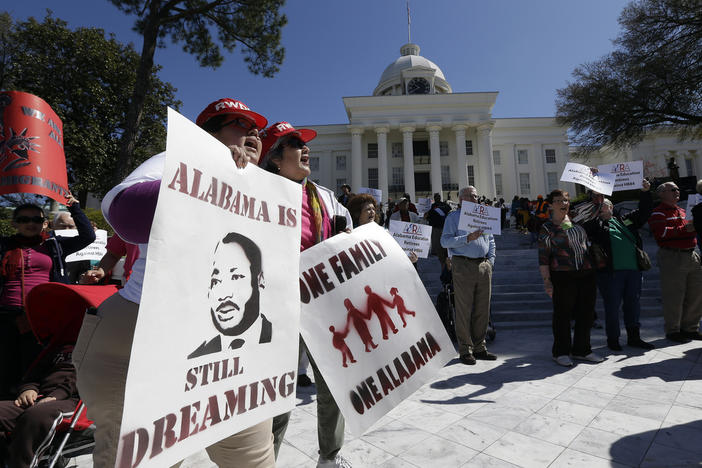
point(525, 49)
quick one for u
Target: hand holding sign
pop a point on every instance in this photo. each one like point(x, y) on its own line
point(596, 180)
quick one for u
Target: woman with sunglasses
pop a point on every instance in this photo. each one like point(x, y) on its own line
point(30, 257)
point(286, 154)
point(569, 279)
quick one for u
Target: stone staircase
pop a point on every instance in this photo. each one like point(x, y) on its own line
point(518, 299)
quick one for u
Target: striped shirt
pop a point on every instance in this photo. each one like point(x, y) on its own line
point(563, 249)
point(668, 227)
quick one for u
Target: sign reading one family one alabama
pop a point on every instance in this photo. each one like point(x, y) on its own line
point(412, 237)
point(628, 175)
point(476, 217)
point(215, 345)
point(602, 182)
point(369, 323)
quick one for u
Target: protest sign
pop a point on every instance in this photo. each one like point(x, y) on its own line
point(31, 147)
point(369, 323)
point(94, 251)
point(692, 201)
point(423, 205)
point(412, 237)
point(628, 175)
point(475, 217)
point(216, 339)
point(376, 193)
point(581, 174)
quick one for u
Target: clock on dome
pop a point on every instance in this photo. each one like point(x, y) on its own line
point(418, 86)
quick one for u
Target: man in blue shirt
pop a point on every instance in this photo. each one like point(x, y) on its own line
point(472, 258)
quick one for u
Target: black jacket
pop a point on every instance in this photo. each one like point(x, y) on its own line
point(598, 229)
point(59, 246)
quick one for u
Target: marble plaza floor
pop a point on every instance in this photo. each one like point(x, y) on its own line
point(634, 409)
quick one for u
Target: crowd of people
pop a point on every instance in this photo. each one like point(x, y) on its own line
point(580, 251)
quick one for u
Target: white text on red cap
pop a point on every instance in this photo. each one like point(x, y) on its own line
point(230, 104)
point(283, 126)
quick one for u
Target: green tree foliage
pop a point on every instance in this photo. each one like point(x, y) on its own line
point(653, 78)
point(255, 25)
point(87, 79)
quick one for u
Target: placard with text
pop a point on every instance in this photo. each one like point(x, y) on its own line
point(476, 217)
point(412, 237)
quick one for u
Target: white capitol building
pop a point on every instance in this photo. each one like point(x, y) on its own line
point(415, 135)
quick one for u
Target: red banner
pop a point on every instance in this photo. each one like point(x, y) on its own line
point(31, 147)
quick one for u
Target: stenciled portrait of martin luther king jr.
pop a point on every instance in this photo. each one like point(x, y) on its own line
point(234, 294)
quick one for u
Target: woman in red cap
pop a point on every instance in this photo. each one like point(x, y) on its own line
point(102, 371)
point(286, 154)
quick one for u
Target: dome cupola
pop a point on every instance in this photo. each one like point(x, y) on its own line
point(411, 74)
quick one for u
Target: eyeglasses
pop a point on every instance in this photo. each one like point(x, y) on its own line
point(29, 219)
point(244, 124)
point(563, 201)
point(296, 143)
point(674, 190)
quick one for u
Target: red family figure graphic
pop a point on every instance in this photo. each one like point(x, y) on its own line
point(398, 302)
point(339, 342)
point(358, 319)
point(377, 304)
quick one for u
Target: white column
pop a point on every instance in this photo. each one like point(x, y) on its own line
point(408, 160)
point(356, 159)
point(698, 163)
point(460, 131)
point(434, 151)
point(487, 165)
point(382, 133)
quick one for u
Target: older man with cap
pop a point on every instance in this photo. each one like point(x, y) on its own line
point(129, 208)
point(681, 273)
point(286, 153)
point(472, 258)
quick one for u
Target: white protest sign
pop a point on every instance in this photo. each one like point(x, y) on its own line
point(369, 323)
point(94, 251)
point(376, 193)
point(412, 237)
point(475, 217)
point(628, 175)
point(216, 339)
point(692, 200)
point(424, 205)
point(581, 174)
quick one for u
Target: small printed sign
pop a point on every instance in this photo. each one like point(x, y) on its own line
point(628, 175)
point(412, 237)
point(601, 182)
point(475, 217)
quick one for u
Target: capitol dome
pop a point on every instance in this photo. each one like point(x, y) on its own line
point(412, 74)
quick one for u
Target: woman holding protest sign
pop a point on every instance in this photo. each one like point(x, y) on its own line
point(286, 153)
point(30, 257)
point(106, 337)
point(363, 209)
point(569, 279)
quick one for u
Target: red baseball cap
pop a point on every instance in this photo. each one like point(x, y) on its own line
point(226, 106)
point(272, 134)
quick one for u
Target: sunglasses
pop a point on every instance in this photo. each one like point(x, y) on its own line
point(244, 124)
point(295, 143)
point(29, 219)
point(674, 190)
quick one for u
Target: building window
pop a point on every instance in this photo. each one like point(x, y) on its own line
point(496, 158)
point(314, 163)
point(552, 181)
point(398, 176)
point(498, 184)
point(443, 148)
point(341, 162)
point(372, 150)
point(420, 147)
point(339, 183)
point(524, 184)
point(471, 175)
point(373, 177)
point(469, 147)
point(397, 149)
point(690, 166)
point(523, 156)
point(445, 175)
point(550, 156)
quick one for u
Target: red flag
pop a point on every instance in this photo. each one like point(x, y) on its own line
point(31, 147)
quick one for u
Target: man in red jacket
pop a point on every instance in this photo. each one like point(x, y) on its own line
point(681, 272)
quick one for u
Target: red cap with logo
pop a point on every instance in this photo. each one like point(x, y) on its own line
point(272, 134)
point(227, 106)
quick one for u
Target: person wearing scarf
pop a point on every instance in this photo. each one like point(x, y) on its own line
point(28, 258)
point(286, 154)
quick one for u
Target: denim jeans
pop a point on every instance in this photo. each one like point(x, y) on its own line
point(617, 287)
